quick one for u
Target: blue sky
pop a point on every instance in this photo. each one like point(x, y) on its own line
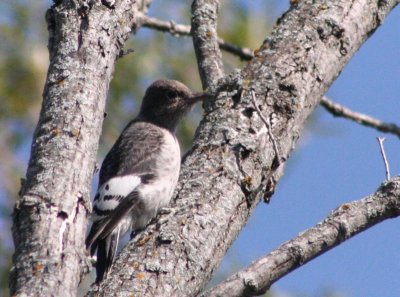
point(338, 161)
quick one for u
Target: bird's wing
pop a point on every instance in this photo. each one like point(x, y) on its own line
point(103, 227)
point(134, 153)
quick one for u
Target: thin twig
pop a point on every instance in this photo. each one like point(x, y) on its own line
point(385, 161)
point(184, 30)
point(363, 119)
point(268, 125)
point(243, 53)
point(164, 26)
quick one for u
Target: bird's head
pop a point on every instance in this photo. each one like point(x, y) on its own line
point(167, 101)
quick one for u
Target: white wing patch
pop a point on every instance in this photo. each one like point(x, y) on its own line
point(119, 186)
point(111, 192)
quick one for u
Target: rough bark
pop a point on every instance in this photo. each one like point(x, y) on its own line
point(205, 41)
point(50, 218)
point(231, 164)
point(346, 221)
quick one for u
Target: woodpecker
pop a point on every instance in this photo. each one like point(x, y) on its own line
point(140, 172)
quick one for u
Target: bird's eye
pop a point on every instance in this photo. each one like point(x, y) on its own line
point(171, 94)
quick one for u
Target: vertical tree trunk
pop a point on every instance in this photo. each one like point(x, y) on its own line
point(50, 217)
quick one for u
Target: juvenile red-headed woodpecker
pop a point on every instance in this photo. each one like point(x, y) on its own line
point(140, 172)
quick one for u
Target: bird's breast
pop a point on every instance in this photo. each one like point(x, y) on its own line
point(158, 192)
point(168, 167)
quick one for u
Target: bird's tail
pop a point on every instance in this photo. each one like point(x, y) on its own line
point(106, 249)
point(104, 235)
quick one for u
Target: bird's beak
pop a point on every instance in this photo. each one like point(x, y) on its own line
point(199, 96)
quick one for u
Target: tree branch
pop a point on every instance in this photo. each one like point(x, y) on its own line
point(230, 165)
point(164, 26)
point(50, 218)
point(205, 41)
point(343, 223)
point(247, 54)
point(185, 30)
point(363, 119)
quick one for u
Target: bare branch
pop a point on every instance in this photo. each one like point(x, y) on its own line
point(205, 41)
point(346, 221)
point(366, 120)
point(164, 26)
point(385, 161)
point(243, 53)
point(185, 30)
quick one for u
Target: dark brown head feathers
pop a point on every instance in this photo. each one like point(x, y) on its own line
point(166, 102)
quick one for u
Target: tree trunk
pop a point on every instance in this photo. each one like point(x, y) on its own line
point(50, 217)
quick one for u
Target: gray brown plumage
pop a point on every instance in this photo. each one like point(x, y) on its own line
point(139, 174)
